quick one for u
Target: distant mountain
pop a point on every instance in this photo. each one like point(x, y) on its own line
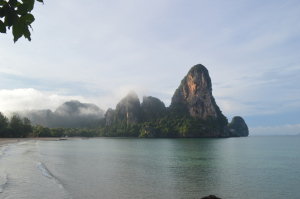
point(69, 114)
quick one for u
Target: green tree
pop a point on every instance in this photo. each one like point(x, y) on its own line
point(3, 126)
point(17, 14)
point(27, 128)
point(16, 126)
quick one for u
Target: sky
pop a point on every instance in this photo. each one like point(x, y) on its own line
point(97, 51)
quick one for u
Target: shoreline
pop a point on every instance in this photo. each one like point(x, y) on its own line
point(6, 141)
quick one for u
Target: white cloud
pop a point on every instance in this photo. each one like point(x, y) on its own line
point(276, 130)
point(29, 98)
point(104, 49)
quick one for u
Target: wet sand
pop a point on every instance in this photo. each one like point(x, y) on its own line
point(5, 141)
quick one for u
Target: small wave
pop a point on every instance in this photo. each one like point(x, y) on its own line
point(44, 171)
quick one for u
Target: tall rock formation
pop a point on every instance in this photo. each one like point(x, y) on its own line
point(109, 116)
point(238, 127)
point(128, 110)
point(153, 108)
point(196, 92)
point(195, 96)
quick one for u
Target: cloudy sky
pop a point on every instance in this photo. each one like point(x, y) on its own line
point(96, 51)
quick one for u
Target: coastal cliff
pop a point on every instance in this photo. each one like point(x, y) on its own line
point(194, 95)
point(193, 112)
point(128, 111)
point(195, 92)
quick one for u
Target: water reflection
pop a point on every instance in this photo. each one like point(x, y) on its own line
point(172, 168)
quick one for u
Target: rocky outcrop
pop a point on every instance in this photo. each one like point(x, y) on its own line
point(193, 112)
point(238, 127)
point(153, 108)
point(128, 110)
point(109, 116)
point(196, 92)
point(195, 96)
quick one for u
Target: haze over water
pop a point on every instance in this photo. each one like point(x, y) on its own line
point(252, 167)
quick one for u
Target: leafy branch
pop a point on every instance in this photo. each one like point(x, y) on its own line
point(16, 14)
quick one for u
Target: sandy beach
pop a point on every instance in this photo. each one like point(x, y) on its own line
point(4, 141)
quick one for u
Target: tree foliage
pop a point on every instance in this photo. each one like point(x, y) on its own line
point(15, 127)
point(3, 126)
point(17, 14)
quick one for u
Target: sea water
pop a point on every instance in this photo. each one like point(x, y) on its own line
point(251, 167)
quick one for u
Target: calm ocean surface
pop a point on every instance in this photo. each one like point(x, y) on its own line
point(232, 168)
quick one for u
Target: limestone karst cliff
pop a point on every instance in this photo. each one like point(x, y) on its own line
point(195, 95)
point(128, 110)
point(195, 91)
point(153, 108)
point(193, 112)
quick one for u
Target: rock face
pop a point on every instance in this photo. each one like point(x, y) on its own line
point(153, 108)
point(193, 112)
point(109, 116)
point(128, 110)
point(238, 127)
point(195, 93)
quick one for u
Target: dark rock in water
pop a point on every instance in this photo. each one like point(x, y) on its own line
point(211, 197)
point(238, 127)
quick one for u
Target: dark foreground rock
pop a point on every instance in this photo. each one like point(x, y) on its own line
point(211, 197)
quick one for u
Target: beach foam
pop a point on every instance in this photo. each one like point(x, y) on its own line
point(44, 171)
point(23, 175)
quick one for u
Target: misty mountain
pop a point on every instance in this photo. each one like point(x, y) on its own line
point(69, 114)
point(77, 114)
